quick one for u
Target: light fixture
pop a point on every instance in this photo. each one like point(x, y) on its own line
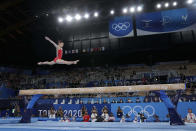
point(132, 9)
point(69, 18)
point(96, 14)
point(112, 12)
point(175, 3)
point(78, 17)
point(166, 5)
point(159, 6)
point(139, 8)
point(86, 16)
point(60, 19)
point(125, 10)
point(189, 1)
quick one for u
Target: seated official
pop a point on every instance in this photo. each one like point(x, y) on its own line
point(94, 115)
point(135, 119)
point(83, 110)
point(99, 119)
point(142, 117)
point(156, 118)
point(52, 114)
point(119, 113)
point(123, 119)
point(17, 112)
point(190, 118)
point(60, 112)
point(105, 116)
point(127, 116)
point(111, 118)
point(86, 117)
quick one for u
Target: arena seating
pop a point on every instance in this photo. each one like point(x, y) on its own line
point(95, 77)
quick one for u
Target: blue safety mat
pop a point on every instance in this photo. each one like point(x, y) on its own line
point(102, 126)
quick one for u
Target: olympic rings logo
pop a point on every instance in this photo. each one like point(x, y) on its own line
point(121, 26)
point(140, 109)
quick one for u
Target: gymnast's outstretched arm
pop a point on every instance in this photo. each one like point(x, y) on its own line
point(47, 38)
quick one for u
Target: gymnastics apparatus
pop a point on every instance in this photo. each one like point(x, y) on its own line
point(159, 89)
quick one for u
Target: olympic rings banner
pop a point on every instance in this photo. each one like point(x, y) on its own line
point(150, 109)
point(166, 21)
point(121, 27)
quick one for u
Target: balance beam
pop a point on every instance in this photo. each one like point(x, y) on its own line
point(112, 89)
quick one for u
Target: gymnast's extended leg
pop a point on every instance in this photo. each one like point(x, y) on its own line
point(60, 61)
point(46, 63)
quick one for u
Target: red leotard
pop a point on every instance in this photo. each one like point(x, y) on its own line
point(59, 54)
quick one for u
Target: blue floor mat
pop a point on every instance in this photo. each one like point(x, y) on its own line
point(102, 126)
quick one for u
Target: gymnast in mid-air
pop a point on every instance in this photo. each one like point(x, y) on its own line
point(59, 54)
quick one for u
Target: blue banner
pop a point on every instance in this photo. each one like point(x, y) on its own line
point(150, 109)
point(131, 109)
point(121, 27)
point(70, 109)
point(166, 21)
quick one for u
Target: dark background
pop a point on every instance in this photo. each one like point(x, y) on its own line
point(24, 23)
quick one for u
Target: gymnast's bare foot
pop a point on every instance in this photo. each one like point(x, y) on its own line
point(75, 62)
point(39, 63)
